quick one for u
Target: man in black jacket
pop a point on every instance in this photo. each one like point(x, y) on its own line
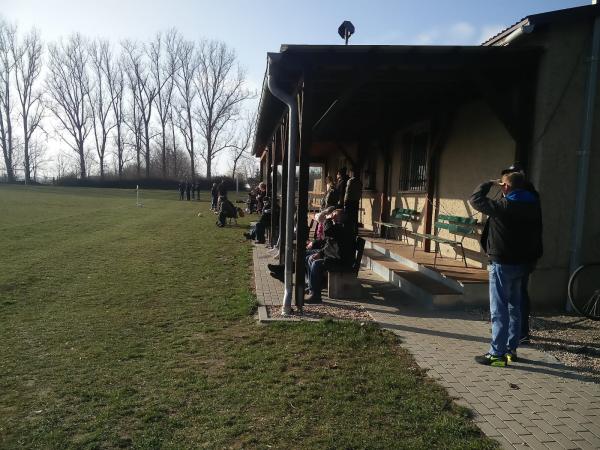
point(337, 251)
point(512, 239)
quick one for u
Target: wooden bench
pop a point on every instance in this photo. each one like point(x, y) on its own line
point(460, 227)
point(404, 215)
point(343, 283)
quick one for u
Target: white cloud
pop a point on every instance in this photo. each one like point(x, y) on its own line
point(459, 33)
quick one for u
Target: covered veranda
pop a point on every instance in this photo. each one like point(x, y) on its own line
point(345, 103)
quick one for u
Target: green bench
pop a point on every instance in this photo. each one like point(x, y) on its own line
point(404, 215)
point(460, 227)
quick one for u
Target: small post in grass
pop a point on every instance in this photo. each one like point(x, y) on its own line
point(138, 202)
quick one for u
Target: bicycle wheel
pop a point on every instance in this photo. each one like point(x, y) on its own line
point(584, 290)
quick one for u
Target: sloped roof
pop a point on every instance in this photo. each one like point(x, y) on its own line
point(557, 16)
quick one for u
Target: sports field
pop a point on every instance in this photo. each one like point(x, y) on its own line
point(133, 327)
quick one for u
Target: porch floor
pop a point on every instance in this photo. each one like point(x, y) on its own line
point(538, 402)
point(448, 267)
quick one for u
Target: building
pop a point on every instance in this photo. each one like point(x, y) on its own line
point(423, 125)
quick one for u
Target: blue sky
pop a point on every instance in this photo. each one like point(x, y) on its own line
point(256, 27)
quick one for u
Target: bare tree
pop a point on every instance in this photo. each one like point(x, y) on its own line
point(28, 66)
point(163, 64)
point(113, 71)
point(240, 150)
point(144, 93)
point(8, 35)
point(220, 84)
point(68, 85)
point(184, 80)
point(134, 122)
point(100, 98)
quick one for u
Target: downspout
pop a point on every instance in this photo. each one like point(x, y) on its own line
point(292, 104)
point(583, 155)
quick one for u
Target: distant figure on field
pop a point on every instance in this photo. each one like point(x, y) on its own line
point(188, 188)
point(198, 191)
point(181, 188)
point(226, 210)
point(193, 190)
point(214, 196)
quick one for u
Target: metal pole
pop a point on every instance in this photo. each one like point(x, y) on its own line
point(291, 102)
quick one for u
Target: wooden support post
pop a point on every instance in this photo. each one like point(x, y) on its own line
point(269, 160)
point(284, 164)
point(273, 195)
point(302, 213)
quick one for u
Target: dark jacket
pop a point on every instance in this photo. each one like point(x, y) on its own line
point(341, 188)
point(227, 208)
point(513, 231)
point(339, 249)
point(331, 198)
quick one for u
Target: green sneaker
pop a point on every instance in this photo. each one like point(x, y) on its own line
point(511, 356)
point(491, 360)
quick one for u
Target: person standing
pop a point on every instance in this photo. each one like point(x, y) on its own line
point(352, 202)
point(331, 197)
point(188, 187)
point(181, 190)
point(341, 181)
point(198, 191)
point(193, 190)
point(512, 239)
point(214, 196)
point(525, 300)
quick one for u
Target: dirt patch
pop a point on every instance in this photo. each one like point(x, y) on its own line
point(325, 310)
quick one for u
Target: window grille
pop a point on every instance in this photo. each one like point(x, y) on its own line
point(413, 174)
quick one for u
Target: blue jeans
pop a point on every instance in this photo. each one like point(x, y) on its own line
point(505, 306)
point(315, 271)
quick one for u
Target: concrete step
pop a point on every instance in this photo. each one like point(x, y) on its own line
point(420, 282)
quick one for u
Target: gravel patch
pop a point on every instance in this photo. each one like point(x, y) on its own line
point(328, 309)
point(573, 340)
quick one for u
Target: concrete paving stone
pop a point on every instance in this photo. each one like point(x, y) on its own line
point(549, 418)
point(564, 441)
point(522, 420)
point(573, 425)
point(488, 429)
point(568, 432)
point(534, 442)
point(507, 407)
point(540, 434)
point(559, 412)
point(593, 428)
point(591, 438)
point(504, 443)
point(554, 445)
point(511, 436)
point(516, 427)
point(580, 418)
point(585, 445)
point(544, 426)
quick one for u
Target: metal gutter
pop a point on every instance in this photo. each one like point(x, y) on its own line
point(292, 104)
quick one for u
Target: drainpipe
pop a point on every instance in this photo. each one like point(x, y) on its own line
point(583, 155)
point(290, 101)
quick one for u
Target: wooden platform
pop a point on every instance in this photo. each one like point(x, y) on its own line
point(448, 267)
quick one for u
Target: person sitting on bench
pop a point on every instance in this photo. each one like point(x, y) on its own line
point(226, 209)
point(336, 252)
point(257, 232)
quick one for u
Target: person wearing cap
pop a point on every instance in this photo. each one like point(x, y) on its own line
point(525, 300)
point(512, 239)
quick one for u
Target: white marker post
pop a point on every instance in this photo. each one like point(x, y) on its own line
point(138, 201)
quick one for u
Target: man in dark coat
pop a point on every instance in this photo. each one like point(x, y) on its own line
point(340, 187)
point(512, 239)
point(525, 300)
point(336, 252)
point(214, 196)
point(181, 188)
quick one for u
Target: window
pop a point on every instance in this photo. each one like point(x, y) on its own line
point(413, 172)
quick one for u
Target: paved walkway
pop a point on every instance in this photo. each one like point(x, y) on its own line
point(536, 403)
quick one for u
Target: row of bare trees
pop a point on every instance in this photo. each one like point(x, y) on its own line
point(159, 108)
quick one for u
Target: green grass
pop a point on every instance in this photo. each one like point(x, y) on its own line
point(133, 327)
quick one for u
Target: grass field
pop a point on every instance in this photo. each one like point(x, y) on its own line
point(133, 327)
